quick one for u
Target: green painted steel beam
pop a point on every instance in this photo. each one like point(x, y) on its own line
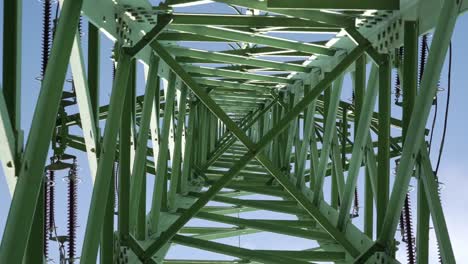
point(361, 141)
point(268, 227)
point(286, 207)
point(187, 37)
point(431, 187)
point(22, 208)
point(335, 4)
point(236, 74)
point(236, 232)
point(313, 15)
point(383, 148)
point(233, 85)
point(35, 248)
point(180, 145)
point(308, 133)
point(106, 247)
point(234, 251)
point(85, 105)
point(423, 104)
point(104, 170)
point(197, 230)
point(410, 85)
point(196, 261)
point(162, 164)
point(309, 255)
point(236, 35)
point(270, 51)
point(93, 70)
point(12, 28)
point(245, 21)
point(330, 129)
point(235, 59)
point(7, 139)
point(138, 170)
point(125, 170)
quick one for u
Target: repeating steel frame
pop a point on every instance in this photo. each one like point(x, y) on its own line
point(218, 133)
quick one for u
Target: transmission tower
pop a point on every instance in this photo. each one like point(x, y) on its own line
point(261, 120)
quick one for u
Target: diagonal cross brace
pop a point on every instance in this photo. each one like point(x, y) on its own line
point(254, 150)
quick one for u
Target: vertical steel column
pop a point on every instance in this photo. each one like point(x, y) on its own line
point(12, 15)
point(161, 170)
point(361, 141)
point(124, 165)
point(383, 153)
point(85, 105)
point(106, 161)
point(107, 235)
point(423, 104)
point(93, 72)
point(435, 206)
point(177, 159)
point(331, 110)
point(106, 252)
point(308, 127)
point(410, 82)
point(28, 187)
point(289, 134)
point(359, 94)
point(137, 202)
point(188, 150)
point(7, 140)
point(344, 136)
point(35, 249)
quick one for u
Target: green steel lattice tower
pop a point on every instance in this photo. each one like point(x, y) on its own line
point(259, 126)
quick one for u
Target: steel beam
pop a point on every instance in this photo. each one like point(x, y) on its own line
point(313, 15)
point(330, 129)
point(12, 42)
point(138, 170)
point(236, 74)
point(244, 21)
point(22, 208)
point(235, 59)
point(124, 163)
point(179, 149)
point(361, 141)
point(268, 227)
point(335, 4)
point(383, 149)
point(440, 43)
point(234, 251)
point(236, 35)
point(7, 140)
point(157, 203)
point(106, 161)
point(85, 105)
point(93, 71)
point(437, 214)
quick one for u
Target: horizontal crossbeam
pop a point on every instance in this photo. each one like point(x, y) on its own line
point(335, 4)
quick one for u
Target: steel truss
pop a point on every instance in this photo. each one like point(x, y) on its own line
point(223, 124)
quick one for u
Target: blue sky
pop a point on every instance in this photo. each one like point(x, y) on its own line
point(453, 171)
